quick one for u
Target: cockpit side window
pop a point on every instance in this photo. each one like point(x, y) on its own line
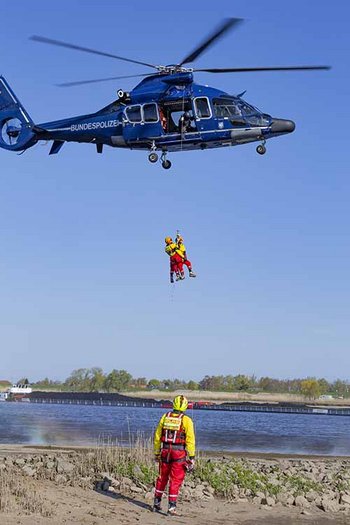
point(226, 108)
point(202, 107)
point(133, 113)
point(232, 107)
point(150, 113)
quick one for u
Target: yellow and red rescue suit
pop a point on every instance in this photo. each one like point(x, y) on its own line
point(181, 250)
point(176, 260)
point(174, 439)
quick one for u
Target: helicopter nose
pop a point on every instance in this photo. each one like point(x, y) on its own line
point(280, 125)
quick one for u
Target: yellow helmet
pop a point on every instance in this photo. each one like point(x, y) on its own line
point(168, 240)
point(180, 403)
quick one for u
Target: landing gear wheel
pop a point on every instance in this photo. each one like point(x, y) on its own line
point(153, 157)
point(261, 149)
point(166, 164)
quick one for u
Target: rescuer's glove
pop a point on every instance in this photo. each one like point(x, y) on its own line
point(157, 458)
point(190, 464)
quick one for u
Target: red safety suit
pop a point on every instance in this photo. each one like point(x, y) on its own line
point(176, 263)
point(181, 250)
point(174, 439)
point(176, 260)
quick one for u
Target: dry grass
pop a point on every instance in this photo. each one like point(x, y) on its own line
point(18, 493)
point(134, 462)
point(206, 395)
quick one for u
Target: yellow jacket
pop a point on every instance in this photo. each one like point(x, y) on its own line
point(187, 425)
point(171, 249)
point(181, 249)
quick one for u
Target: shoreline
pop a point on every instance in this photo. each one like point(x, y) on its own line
point(10, 448)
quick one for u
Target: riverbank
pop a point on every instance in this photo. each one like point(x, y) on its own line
point(119, 400)
point(232, 397)
point(110, 485)
point(215, 397)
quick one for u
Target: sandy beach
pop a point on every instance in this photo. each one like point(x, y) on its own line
point(73, 506)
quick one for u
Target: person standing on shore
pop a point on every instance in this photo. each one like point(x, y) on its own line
point(174, 449)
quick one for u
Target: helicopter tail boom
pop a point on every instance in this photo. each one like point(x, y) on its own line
point(16, 126)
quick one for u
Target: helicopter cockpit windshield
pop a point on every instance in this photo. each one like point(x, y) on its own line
point(236, 110)
point(226, 108)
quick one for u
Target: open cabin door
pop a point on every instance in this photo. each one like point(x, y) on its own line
point(172, 111)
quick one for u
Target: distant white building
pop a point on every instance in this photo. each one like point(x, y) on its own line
point(20, 389)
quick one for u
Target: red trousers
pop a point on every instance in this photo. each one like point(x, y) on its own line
point(176, 263)
point(187, 263)
point(172, 468)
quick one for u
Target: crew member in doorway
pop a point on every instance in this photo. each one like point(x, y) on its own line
point(185, 123)
point(174, 449)
point(162, 119)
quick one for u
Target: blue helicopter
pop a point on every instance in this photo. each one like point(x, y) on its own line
point(167, 111)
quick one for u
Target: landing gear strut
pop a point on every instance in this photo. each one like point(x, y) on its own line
point(166, 164)
point(153, 156)
point(261, 149)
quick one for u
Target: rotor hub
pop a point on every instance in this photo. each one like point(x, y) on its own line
point(173, 69)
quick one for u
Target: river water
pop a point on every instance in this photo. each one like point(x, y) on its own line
point(26, 423)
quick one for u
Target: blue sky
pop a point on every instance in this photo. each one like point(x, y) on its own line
point(83, 275)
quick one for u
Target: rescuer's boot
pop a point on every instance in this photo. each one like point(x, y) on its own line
point(192, 274)
point(172, 277)
point(178, 277)
point(156, 504)
point(172, 509)
point(182, 276)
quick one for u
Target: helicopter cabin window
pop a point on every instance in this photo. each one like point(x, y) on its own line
point(150, 113)
point(133, 113)
point(202, 107)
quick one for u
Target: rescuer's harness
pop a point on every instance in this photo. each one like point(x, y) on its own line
point(173, 434)
point(168, 446)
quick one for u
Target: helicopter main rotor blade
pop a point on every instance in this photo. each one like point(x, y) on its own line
point(225, 26)
point(250, 69)
point(95, 81)
point(59, 43)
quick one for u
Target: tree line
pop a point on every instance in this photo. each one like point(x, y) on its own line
point(95, 380)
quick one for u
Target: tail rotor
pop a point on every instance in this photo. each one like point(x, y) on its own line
point(16, 127)
point(10, 130)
